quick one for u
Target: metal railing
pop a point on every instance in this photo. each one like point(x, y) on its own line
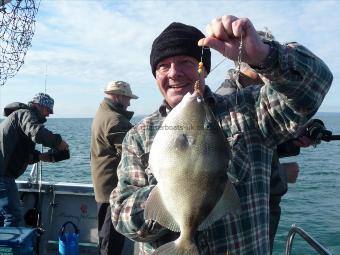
point(310, 240)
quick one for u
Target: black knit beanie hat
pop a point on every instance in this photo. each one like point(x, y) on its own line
point(179, 39)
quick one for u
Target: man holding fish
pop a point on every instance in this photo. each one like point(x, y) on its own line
point(205, 190)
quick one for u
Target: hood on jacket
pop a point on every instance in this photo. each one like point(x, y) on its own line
point(12, 107)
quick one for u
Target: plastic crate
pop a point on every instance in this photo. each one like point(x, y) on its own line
point(17, 241)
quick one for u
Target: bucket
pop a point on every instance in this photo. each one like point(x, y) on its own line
point(68, 241)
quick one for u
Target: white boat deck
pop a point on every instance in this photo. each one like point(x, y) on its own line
point(62, 202)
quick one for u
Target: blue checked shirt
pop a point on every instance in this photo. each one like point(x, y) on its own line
point(255, 120)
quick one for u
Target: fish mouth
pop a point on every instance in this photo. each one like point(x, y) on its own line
point(194, 96)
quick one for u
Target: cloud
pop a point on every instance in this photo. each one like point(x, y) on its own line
point(84, 44)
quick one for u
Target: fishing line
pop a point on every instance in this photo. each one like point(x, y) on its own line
point(0, 96)
point(239, 57)
point(198, 86)
point(218, 64)
point(39, 193)
point(239, 62)
point(238, 67)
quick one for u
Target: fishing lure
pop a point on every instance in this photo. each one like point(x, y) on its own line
point(198, 86)
point(239, 62)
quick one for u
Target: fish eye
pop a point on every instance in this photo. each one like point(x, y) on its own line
point(181, 142)
point(207, 125)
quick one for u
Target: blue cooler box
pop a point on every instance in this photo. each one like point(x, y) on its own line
point(17, 241)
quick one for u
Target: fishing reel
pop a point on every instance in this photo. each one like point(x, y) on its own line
point(317, 131)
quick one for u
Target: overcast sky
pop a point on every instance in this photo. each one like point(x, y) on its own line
point(83, 44)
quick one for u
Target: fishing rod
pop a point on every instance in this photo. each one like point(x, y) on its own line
point(332, 138)
point(317, 132)
point(39, 227)
point(329, 138)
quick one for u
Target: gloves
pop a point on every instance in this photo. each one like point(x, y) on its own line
point(46, 157)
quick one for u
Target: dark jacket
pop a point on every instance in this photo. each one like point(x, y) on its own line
point(19, 133)
point(109, 127)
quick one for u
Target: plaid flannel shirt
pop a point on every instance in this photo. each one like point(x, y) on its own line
point(254, 119)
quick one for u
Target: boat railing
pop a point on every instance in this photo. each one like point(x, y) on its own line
point(310, 240)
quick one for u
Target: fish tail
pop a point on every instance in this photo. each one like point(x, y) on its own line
point(174, 248)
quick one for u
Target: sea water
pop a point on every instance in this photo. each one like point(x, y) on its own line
point(312, 203)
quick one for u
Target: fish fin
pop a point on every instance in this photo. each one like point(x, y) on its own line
point(172, 248)
point(155, 210)
point(228, 203)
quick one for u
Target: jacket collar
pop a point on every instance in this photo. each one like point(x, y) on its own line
point(40, 117)
point(117, 107)
point(208, 96)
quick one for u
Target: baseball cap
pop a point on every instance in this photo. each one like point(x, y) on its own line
point(44, 100)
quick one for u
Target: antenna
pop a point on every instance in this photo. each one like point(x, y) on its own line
point(45, 77)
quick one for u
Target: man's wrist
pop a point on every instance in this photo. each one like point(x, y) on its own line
point(271, 59)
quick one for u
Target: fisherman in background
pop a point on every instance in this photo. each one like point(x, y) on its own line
point(254, 121)
point(281, 173)
point(19, 133)
point(109, 127)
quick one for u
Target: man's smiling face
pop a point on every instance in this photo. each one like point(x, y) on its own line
point(176, 76)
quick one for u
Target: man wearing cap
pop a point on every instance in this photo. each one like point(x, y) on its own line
point(109, 127)
point(253, 119)
point(19, 133)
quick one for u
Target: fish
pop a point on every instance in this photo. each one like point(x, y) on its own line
point(189, 158)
